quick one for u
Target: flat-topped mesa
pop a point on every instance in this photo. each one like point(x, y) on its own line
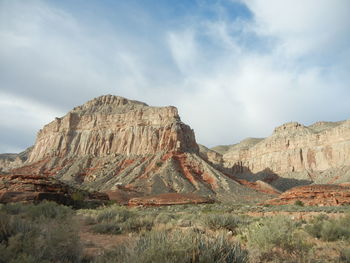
point(114, 125)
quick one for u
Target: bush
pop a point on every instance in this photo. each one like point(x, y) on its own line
point(28, 237)
point(48, 210)
point(89, 220)
point(12, 208)
point(315, 226)
point(330, 229)
point(298, 203)
point(164, 218)
point(136, 224)
point(176, 247)
point(345, 255)
point(224, 221)
point(114, 213)
point(107, 228)
point(274, 235)
point(78, 196)
point(117, 220)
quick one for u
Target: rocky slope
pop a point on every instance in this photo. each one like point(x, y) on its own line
point(9, 161)
point(316, 153)
point(316, 195)
point(114, 144)
point(34, 188)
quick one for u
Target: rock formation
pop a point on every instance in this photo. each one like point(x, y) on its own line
point(128, 149)
point(114, 125)
point(316, 195)
point(316, 153)
point(34, 188)
point(9, 161)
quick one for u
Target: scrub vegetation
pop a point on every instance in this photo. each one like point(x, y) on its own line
point(48, 232)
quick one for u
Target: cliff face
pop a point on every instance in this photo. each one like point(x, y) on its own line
point(10, 161)
point(114, 125)
point(114, 144)
point(294, 148)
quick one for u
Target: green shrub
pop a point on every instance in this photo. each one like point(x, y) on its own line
point(107, 215)
point(298, 203)
point(315, 226)
point(78, 196)
point(28, 237)
point(164, 218)
point(13, 208)
point(136, 224)
point(114, 213)
point(223, 221)
point(90, 220)
point(107, 228)
point(329, 229)
point(177, 246)
point(275, 234)
point(333, 230)
point(345, 255)
point(49, 210)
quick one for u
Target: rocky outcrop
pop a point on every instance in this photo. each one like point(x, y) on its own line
point(35, 188)
point(129, 149)
point(316, 195)
point(295, 151)
point(9, 161)
point(114, 125)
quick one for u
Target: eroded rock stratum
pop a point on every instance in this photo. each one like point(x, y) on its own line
point(134, 151)
point(114, 144)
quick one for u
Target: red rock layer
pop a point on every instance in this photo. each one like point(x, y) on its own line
point(317, 195)
point(32, 188)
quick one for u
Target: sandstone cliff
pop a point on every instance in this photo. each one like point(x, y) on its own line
point(114, 125)
point(316, 153)
point(114, 144)
point(10, 161)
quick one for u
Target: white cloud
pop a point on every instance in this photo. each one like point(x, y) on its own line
point(23, 113)
point(303, 26)
point(249, 92)
point(230, 78)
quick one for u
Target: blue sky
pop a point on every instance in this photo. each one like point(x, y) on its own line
point(234, 68)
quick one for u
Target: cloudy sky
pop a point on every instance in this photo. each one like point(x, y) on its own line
point(234, 68)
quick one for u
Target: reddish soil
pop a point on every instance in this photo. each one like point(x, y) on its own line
point(321, 195)
point(122, 196)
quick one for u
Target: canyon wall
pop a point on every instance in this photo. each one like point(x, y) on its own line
point(294, 147)
point(114, 125)
point(116, 145)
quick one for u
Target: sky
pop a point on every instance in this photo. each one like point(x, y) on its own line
point(233, 68)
